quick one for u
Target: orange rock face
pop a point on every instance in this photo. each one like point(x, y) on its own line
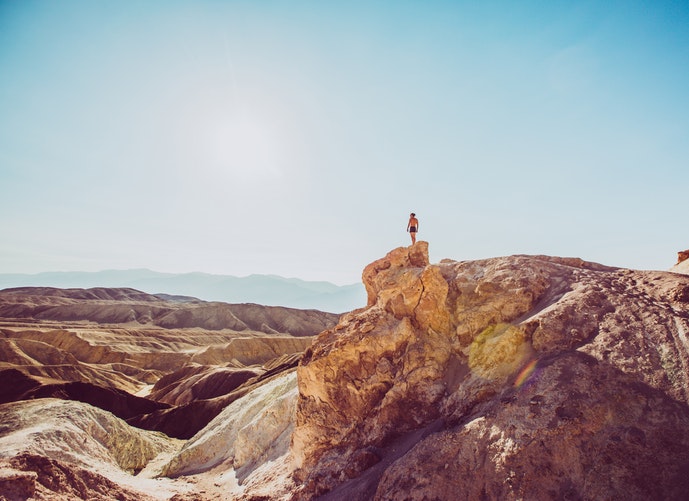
point(682, 256)
point(524, 377)
point(380, 370)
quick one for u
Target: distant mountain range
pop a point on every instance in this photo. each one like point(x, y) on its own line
point(269, 290)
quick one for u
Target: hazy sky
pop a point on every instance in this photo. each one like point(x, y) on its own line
point(294, 138)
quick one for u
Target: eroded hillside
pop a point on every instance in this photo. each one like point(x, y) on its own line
point(146, 359)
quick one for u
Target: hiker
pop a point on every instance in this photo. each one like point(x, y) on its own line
point(413, 227)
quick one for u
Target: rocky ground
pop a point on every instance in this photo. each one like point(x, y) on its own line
point(521, 377)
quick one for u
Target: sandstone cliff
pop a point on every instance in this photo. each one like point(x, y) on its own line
point(524, 377)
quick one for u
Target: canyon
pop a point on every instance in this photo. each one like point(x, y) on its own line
point(517, 377)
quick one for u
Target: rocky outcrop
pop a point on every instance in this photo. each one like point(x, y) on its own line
point(682, 265)
point(523, 377)
point(682, 256)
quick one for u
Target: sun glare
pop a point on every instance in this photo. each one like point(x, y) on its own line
point(243, 148)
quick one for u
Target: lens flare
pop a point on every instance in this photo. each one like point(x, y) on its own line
point(525, 374)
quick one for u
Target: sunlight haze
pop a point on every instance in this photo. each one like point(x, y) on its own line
point(294, 138)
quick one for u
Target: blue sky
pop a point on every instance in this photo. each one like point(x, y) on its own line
point(294, 138)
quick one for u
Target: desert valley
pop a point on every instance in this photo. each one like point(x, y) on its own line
point(511, 378)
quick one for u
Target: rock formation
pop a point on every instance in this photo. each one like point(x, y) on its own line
point(682, 256)
point(524, 377)
point(520, 377)
point(682, 265)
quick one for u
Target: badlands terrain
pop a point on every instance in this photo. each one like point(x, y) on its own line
point(512, 378)
point(105, 380)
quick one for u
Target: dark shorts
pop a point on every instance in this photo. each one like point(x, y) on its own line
point(412, 229)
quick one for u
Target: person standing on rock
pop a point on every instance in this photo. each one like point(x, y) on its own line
point(413, 227)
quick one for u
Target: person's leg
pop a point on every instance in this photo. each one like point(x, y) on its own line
point(413, 237)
